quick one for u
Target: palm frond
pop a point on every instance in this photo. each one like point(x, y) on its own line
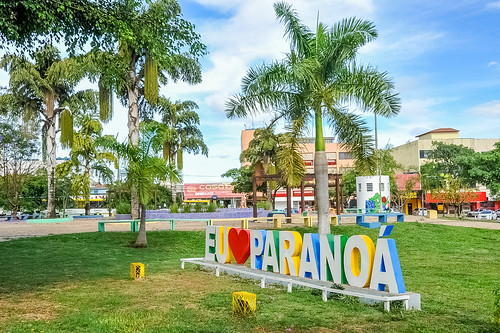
point(298, 34)
point(368, 88)
point(352, 132)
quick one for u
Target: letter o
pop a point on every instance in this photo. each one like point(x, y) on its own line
point(358, 260)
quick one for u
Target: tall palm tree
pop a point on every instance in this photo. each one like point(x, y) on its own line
point(38, 91)
point(155, 45)
point(144, 170)
point(317, 80)
point(178, 132)
point(90, 150)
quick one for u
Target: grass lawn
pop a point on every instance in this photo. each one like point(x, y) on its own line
point(80, 283)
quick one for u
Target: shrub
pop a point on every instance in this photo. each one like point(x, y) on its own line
point(266, 205)
point(174, 208)
point(198, 207)
point(212, 207)
point(123, 208)
point(186, 208)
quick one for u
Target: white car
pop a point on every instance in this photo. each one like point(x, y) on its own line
point(487, 215)
point(420, 211)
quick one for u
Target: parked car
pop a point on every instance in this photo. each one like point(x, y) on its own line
point(487, 215)
point(475, 213)
point(420, 211)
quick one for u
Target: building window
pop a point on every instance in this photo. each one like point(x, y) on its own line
point(382, 187)
point(359, 187)
point(369, 187)
point(344, 156)
point(424, 153)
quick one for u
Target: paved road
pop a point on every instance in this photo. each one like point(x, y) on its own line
point(13, 230)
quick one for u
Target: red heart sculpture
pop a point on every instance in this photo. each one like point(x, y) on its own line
point(239, 241)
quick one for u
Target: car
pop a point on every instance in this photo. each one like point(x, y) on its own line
point(475, 213)
point(420, 211)
point(487, 215)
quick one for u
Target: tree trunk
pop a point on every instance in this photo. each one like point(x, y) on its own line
point(173, 187)
point(321, 176)
point(321, 180)
point(141, 240)
point(133, 128)
point(51, 158)
point(87, 208)
point(87, 185)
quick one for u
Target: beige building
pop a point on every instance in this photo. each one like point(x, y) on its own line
point(413, 154)
point(338, 156)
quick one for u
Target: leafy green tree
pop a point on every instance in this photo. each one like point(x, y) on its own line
point(262, 153)
point(450, 159)
point(317, 80)
point(35, 191)
point(64, 192)
point(18, 150)
point(90, 150)
point(38, 91)
point(243, 180)
point(178, 132)
point(26, 22)
point(144, 170)
point(483, 168)
point(155, 44)
point(447, 174)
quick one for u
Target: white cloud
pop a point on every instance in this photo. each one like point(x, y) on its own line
point(490, 109)
point(405, 46)
point(493, 5)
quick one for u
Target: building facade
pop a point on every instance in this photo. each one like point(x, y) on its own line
point(220, 192)
point(338, 159)
point(413, 155)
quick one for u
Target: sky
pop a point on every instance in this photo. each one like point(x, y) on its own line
point(444, 57)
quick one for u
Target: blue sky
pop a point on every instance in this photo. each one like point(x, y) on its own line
point(444, 57)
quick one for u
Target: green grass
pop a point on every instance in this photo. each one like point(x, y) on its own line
point(80, 283)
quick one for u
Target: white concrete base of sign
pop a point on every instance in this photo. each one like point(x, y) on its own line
point(370, 296)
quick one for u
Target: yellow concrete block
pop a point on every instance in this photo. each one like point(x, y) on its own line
point(307, 221)
point(244, 303)
point(244, 224)
point(136, 270)
point(277, 222)
point(334, 220)
point(432, 214)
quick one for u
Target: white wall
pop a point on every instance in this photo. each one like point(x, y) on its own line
point(368, 188)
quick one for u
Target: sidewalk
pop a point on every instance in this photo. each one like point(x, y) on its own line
point(14, 230)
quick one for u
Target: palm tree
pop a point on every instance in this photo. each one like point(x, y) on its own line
point(144, 170)
point(178, 132)
point(277, 154)
point(317, 80)
point(90, 150)
point(37, 91)
point(155, 45)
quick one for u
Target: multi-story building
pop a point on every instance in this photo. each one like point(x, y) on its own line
point(337, 156)
point(413, 155)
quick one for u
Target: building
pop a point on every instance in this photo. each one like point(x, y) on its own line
point(221, 192)
point(413, 155)
point(337, 156)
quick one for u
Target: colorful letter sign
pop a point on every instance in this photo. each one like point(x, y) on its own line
point(336, 258)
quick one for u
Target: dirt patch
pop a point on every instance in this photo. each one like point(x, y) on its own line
point(26, 308)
